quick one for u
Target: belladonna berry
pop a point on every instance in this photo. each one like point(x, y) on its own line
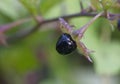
point(118, 24)
point(65, 44)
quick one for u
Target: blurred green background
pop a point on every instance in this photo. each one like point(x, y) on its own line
point(34, 60)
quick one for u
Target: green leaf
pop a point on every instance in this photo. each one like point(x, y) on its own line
point(45, 5)
point(96, 4)
point(107, 58)
point(103, 4)
point(11, 10)
point(7, 8)
point(19, 58)
point(108, 3)
point(31, 6)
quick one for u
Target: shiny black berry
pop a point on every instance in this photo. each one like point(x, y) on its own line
point(118, 24)
point(65, 44)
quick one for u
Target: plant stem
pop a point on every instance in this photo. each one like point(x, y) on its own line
point(25, 33)
point(82, 30)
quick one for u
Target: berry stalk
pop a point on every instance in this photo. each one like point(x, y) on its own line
point(82, 30)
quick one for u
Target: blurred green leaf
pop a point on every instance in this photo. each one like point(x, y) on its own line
point(107, 59)
point(107, 3)
point(31, 5)
point(7, 8)
point(18, 58)
point(96, 4)
point(45, 5)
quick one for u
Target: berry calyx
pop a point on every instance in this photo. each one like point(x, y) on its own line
point(65, 44)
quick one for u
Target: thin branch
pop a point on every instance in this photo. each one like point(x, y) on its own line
point(6, 27)
point(25, 33)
